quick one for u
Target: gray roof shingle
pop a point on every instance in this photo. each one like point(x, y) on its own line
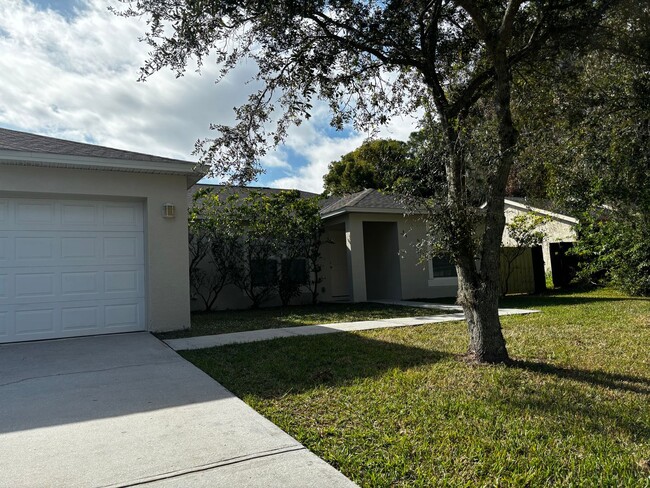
point(227, 190)
point(369, 198)
point(12, 140)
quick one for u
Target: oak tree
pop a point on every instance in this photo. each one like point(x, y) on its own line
point(370, 60)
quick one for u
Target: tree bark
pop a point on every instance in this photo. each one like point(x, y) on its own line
point(481, 306)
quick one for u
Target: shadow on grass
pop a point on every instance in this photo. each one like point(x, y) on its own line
point(275, 368)
point(551, 298)
point(613, 381)
point(556, 300)
point(580, 406)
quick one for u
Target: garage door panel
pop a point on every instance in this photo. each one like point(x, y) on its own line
point(35, 285)
point(125, 249)
point(36, 248)
point(70, 215)
point(85, 215)
point(31, 321)
point(3, 210)
point(4, 324)
point(122, 216)
point(75, 283)
point(4, 286)
point(70, 268)
point(122, 315)
point(4, 249)
point(35, 212)
point(80, 318)
point(79, 247)
point(49, 248)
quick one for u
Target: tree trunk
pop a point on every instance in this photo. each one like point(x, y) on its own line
point(480, 302)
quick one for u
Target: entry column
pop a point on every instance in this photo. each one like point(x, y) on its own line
point(356, 257)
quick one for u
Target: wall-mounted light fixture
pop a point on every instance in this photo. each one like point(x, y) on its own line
point(169, 210)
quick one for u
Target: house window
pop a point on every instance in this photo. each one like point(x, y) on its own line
point(442, 268)
point(264, 272)
point(296, 270)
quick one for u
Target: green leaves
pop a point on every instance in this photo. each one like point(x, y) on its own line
point(246, 228)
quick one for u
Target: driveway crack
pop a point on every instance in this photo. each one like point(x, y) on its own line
point(210, 466)
point(22, 380)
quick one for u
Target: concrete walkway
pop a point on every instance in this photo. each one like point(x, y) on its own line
point(125, 410)
point(455, 315)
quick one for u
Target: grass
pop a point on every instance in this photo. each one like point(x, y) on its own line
point(396, 407)
point(223, 322)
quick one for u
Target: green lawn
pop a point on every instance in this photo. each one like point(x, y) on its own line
point(293, 316)
point(397, 407)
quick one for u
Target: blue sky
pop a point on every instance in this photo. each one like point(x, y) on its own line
point(70, 69)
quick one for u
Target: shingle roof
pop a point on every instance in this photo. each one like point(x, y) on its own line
point(13, 140)
point(227, 190)
point(366, 199)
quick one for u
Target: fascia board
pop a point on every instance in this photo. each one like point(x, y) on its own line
point(369, 210)
point(24, 158)
point(529, 208)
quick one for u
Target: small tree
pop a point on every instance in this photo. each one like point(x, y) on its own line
point(297, 227)
point(289, 236)
point(256, 271)
point(213, 246)
point(525, 232)
point(309, 234)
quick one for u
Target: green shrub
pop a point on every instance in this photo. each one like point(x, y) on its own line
point(615, 248)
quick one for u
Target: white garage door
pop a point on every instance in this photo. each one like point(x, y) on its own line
point(70, 268)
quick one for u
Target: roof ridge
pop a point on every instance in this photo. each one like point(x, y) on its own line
point(359, 196)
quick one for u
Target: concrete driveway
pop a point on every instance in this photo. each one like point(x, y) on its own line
point(126, 410)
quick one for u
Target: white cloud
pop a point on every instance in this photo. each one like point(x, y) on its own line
point(75, 77)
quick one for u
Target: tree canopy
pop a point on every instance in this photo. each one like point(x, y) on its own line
point(371, 165)
point(586, 145)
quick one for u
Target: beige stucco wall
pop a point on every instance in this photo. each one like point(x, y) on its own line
point(414, 272)
point(168, 304)
point(557, 229)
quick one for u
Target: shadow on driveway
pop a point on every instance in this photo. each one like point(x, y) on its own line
point(75, 380)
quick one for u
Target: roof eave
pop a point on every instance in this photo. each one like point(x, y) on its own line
point(530, 208)
point(344, 210)
point(182, 168)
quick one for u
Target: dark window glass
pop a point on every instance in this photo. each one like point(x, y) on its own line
point(442, 268)
point(264, 272)
point(295, 270)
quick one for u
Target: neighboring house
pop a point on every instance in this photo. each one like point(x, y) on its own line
point(369, 251)
point(559, 234)
point(372, 253)
point(93, 240)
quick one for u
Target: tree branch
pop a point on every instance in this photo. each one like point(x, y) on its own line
point(477, 17)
